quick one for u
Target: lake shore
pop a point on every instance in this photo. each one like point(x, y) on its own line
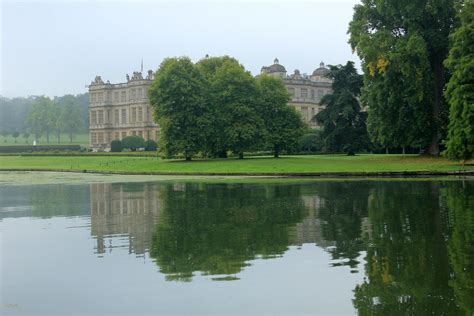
point(287, 166)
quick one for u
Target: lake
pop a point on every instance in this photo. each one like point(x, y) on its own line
point(237, 247)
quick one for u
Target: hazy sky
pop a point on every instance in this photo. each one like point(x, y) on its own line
point(57, 47)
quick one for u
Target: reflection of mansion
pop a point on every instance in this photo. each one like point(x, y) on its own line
point(123, 109)
point(124, 215)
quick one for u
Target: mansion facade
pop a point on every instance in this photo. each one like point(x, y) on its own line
point(306, 91)
point(120, 110)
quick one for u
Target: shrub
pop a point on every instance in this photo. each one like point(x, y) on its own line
point(133, 142)
point(116, 146)
point(150, 145)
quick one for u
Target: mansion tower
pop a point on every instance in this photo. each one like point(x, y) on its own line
point(123, 109)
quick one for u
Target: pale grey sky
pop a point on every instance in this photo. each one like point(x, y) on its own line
point(57, 47)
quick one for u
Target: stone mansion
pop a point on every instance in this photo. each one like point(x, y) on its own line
point(122, 109)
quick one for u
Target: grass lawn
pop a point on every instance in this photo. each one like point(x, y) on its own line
point(78, 139)
point(286, 164)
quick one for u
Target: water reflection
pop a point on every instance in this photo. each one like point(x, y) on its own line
point(124, 215)
point(412, 240)
point(217, 229)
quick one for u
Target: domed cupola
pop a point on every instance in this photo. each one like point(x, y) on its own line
point(321, 71)
point(276, 67)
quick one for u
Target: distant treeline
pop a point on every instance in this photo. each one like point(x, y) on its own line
point(39, 115)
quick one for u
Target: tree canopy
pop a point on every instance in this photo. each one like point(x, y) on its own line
point(216, 106)
point(402, 45)
point(344, 127)
point(460, 89)
point(177, 95)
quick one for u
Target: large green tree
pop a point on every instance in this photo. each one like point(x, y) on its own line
point(215, 144)
point(40, 117)
point(402, 45)
point(235, 93)
point(70, 119)
point(460, 89)
point(178, 97)
point(283, 125)
point(344, 125)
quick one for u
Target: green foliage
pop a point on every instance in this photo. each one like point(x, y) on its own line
point(116, 146)
point(70, 117)
point(39, 117)
point(460, 89)
point(283, 125)
point(216, 106)
point(311, 141)
point(235, 96)
point(344, 127)
point(177, 95)
point(133, 142)
point(60, 114)
point(151, 145)
point(402, 45)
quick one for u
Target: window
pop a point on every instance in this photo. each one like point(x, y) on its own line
point(93, 117)
point(140, 93)
point(116, 97)
point(134, 115)
point(291, 91)
point(134, 94)
point(134, 133)
point(124, 116)
point(124, 134)
point(116, 117)
point(116, 135)
point(100, 97)
point(304, 111)
point(304, 93)
point(313, 94)
point(93, 97)
point(140, 114)
point(100, 138)
point(93, 138)
point(124, 96)
point(140, 133)
point(100, 117)
point(109, 116)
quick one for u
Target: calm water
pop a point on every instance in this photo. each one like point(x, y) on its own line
point(283, 248)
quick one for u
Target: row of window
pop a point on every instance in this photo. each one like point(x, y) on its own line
point(303, 93)
point(136, 114)
point(107, 137)
point(119, 96)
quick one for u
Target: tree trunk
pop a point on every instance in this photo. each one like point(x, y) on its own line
point(241, 155)
point(276, 152)
point(386, 150)
point(188, 158)
point(438, 70)
point(403, 150)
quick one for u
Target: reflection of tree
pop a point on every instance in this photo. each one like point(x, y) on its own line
point(343, 207)
point(407, 264)
point(216, 229)
point(460, 201)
